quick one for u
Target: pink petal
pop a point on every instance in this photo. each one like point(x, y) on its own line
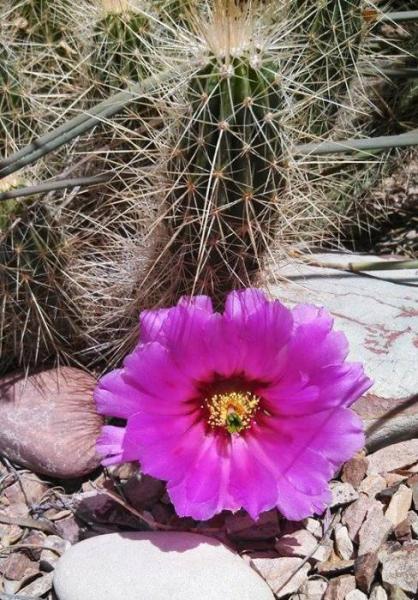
point(151, 370)
point(151, 322)
point(165, 447)
point(186, 338)
point(253, 334)
point(115, 397)
point(202, 492)
point(109, 444)
point(253, 484)
point(313, 344)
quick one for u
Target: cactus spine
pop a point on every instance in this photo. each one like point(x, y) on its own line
point(119, 45)
point(35, 323)
point(16, 111)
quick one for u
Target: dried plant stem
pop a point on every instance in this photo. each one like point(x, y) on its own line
point(358, 267)
point(4, 596)
point(354, 145)
point(56, 184)
point(384, 265)
point(81, 124)
point(400, 17)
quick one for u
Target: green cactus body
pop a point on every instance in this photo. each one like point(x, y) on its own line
point(397, 97)
point(16, 119)
point(176, 10)
point(41, 21)
point(331, 33)
point(119, 48)
point(227, 171)
point(35, 322)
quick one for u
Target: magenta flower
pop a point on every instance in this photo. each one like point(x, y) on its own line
point(245, 409)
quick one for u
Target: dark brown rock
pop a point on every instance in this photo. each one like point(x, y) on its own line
point(19, 566)
point(365, 569)
point(69, 529)
point(49, 422)
point(241, 527)
point(354, 471)
point(339, 587)
point(403, 531)
point(337, 567)
point(143, 491)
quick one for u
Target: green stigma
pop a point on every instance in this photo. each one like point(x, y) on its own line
point(234, 423)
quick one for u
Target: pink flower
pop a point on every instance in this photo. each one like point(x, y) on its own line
point(245, 409)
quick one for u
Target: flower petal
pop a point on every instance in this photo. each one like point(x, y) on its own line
point(152, 371)
point(314, 345)
point(115, 397)
point(203, 491)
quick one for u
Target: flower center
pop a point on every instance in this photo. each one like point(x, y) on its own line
point(234, 410)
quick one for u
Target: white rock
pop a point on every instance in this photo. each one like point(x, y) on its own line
point(313, 526)
point(396, 456)
point(301, 543)
point(378, 593)
point(372, 485)
point(400, 568)
point(284, 575)
point(156, 566)
point(375, 530)
point(344, 545)
point(342, 493)
point(356, 595)
point(399, 506)
point(314, 589)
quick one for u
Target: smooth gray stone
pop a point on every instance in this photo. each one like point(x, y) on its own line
point(156, 566)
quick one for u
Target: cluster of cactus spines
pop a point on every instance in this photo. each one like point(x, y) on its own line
point(397, 95)
point(36, 324)
point(119, 45)
point(17, 121)
point(229, 175)
point(332, 33)
point(227, 172)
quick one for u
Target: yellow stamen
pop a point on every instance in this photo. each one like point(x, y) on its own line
point(234, 411)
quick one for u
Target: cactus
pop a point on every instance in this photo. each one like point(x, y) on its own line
point(229, 163)
point(16, 111)
point(119, 45)
point(176, 11)
point(40, 21)
point(36, 325)
point(331, 35)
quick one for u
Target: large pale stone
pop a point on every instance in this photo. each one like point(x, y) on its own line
point(49, 422)
point(396, 456)
point(284, 575)
point(380, 320)
point(156, 566)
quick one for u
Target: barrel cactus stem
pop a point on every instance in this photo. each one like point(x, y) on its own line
point(227, 166)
